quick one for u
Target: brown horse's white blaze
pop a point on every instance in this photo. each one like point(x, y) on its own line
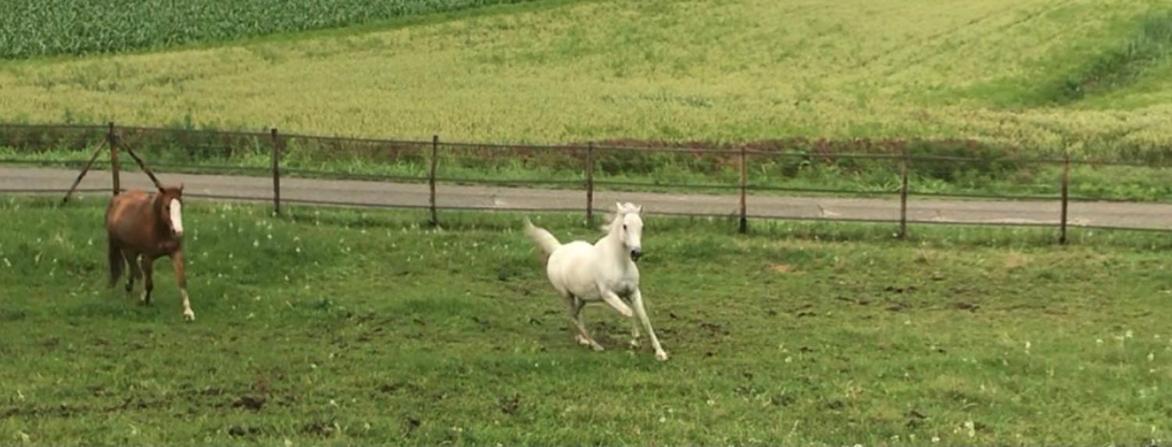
point(142, 227)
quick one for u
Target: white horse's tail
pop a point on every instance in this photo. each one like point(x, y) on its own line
point(542, 237)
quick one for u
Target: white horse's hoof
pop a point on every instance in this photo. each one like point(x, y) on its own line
point(661, 356)
point(635, 343)
point(189, 315)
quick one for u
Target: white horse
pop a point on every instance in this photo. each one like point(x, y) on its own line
point(605, 271)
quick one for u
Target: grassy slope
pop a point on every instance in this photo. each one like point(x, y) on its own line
point(710, 70)
point(367, 328)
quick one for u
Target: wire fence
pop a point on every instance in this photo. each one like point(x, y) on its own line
point(895, 169)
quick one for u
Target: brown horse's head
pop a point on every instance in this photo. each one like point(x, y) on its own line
point(169, 206)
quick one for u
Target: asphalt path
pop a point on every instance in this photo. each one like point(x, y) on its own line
point(390, 194)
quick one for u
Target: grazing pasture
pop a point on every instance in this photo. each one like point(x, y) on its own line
point(343, 326)
point(1090, 76)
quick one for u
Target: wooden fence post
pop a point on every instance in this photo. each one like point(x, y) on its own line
point(744, 227)
point(431, 177)
point(112, 141)
point(590, 184)
point(903, 174)
point(1065, 201)
point(85, 169)
point(276, 142)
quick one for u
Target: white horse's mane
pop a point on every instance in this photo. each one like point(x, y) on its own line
point(622, 209)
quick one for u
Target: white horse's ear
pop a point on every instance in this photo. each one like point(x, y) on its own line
point(618, 206)
point(640, 211)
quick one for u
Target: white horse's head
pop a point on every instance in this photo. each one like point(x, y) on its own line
point(629, 225)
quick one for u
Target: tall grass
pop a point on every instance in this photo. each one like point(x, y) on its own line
point(1118, 67)
point(742, 71)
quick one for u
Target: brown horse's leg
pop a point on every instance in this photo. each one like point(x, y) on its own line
point(181, 280)
point(114, 256)
point(135, 271)
point(148, 283)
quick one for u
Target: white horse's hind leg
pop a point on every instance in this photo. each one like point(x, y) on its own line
point(634, 333)
point(637, 302)
point(574, 311)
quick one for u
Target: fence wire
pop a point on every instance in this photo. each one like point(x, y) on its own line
point(886, 168)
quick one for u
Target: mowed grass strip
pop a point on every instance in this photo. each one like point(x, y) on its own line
point(746, 70)
point(343, 326)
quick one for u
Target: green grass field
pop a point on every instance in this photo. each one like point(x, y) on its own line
point(342, 327)
point(1041, 75)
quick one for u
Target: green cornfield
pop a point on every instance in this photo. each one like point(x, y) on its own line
point(53, 27)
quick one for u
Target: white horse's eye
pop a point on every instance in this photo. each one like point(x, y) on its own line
point(624, 226)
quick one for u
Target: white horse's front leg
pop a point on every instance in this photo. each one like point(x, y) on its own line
point(637, 302)
point(614, 301)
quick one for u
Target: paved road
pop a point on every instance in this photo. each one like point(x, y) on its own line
point(1102, 214)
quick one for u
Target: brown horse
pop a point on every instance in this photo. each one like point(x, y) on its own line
point(142, 227)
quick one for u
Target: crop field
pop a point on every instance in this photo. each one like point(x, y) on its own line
point(1090, 77)
point(47, 28)
point(335, 326)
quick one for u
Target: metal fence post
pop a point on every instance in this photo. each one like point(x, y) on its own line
point(744, 227)
point(112, 140)
point(590, 183)
point(903, 174)
point(431, 178)
point(276, 143)
point(1065, 201)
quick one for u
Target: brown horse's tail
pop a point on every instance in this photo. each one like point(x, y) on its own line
point(117, 261)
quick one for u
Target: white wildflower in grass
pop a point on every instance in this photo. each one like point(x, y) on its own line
point(1129, 334)
point(1151, 356)
point(7, 264)
point(935, 439)
point(255, 243)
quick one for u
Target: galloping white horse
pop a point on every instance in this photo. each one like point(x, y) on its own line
point(604, 271)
